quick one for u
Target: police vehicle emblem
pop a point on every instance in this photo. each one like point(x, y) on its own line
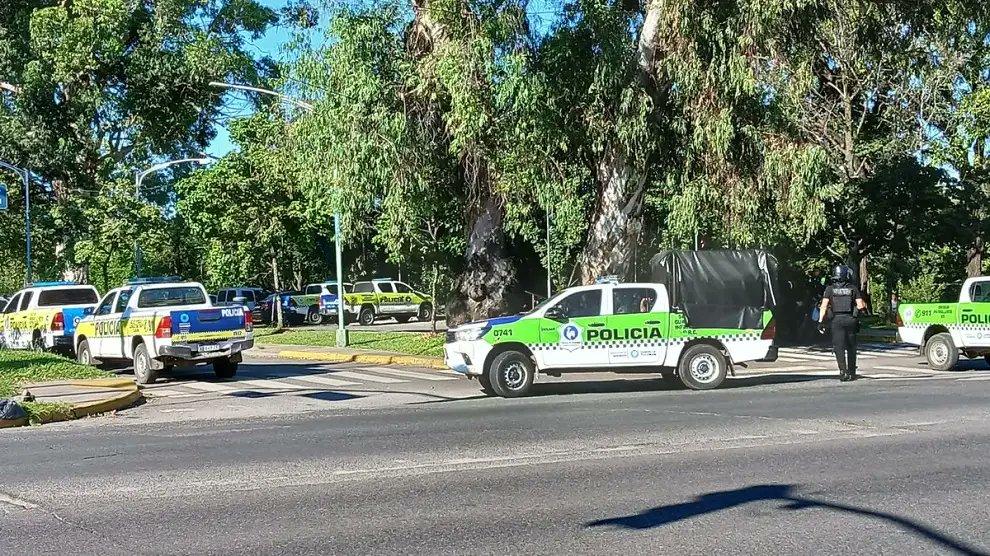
point(909, 314)
point(570, 335)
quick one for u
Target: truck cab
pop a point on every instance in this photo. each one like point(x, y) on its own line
point(384, 297)
point(159, 323)
point(944, 331)
point(45, 314)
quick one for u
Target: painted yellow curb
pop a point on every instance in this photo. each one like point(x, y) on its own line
point(115, 403)
point(369, 358)
point(104, 383)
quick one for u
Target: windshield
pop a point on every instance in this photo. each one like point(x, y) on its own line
point(67, 296)
point(545, 302)
point(171, 297)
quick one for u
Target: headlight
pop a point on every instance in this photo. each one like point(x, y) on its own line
point(470, 334)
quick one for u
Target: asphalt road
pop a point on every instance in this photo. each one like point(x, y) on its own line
point(875, 466)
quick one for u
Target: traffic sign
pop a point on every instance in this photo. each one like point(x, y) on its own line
point(3, 197)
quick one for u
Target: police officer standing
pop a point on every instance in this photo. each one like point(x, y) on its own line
point(845, 301)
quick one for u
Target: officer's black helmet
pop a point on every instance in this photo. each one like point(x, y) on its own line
point(842, 273)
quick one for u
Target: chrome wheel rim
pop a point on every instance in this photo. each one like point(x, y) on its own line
point(140, 367)
point(514, 375)
point(84, 356)
point(704, 368)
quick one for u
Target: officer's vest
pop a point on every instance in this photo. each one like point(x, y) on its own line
point(842, 300)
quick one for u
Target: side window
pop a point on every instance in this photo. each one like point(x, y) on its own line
point(12, 304)
point(402, 288)
point(981, 292)
point(313, 289)
point(364, 287)
point(248, 296)
point(222, 296)
point(385, 287)
point(26, 300)
point(106, 304)
point(581, 304)
point(122, 300)
point(626, 301)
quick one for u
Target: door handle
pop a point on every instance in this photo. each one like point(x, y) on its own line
point(653, 322)
point(596, 325)
point(967, 310)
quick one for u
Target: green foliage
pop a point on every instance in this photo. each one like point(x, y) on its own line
point(23, 367)
point(397, 342)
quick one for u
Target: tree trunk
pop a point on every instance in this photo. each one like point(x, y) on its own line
point(974, 259)
point(277, 301)
point(480, 290)
point(434, 278)
point(617, 220)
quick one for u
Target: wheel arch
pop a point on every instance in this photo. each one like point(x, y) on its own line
point(82, 338)
point(503, 347)
point(931, 331)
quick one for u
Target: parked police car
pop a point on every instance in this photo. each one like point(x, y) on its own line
point(160, 323)
point(44, 315)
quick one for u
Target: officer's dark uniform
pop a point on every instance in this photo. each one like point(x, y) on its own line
point(842, 296)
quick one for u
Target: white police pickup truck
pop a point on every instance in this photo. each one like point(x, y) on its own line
point(45, 314)
point(160, 323)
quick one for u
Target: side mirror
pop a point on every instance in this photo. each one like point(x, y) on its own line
point(554, 313)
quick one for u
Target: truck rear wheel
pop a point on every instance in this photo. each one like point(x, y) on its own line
point(143, 372)
point(367, 317)
point(313, 316)
point(941, 352)
point(702, 367)
point(511, 374)
point(224, 368)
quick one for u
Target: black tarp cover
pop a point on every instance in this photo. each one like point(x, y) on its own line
point(719, 288)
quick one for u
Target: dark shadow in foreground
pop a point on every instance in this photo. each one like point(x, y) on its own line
point(725, 499)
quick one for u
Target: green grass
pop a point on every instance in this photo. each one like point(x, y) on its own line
point(20, 367)
point(412, 343)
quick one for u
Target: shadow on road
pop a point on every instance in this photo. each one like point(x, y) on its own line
point(791, 500)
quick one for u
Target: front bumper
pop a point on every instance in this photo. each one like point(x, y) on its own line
point(194, 351)
point(467, 358)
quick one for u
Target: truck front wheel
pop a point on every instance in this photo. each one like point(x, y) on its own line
point(143, 372)
point(702, 367)
point(511, 374)
point(367, 317)
point(224, 368)
point(941, 352)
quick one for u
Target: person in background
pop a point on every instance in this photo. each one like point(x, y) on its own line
point(895, 301)
point(845, 301)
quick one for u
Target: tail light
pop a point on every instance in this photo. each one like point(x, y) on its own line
point(164, 328)
point(248, 321)
point(58, 322)
point(770, 332)
point(900, 321)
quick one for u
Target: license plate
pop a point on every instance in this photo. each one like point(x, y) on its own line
point(209, 347)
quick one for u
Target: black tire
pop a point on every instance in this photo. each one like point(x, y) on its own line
point(84, 355)
point(702, 367)
point(941, 352)
point(37, 344)
point(425, 313)
point(313, 317)
point(367, 316)
point(143, 373)
point(486, 385)
point(224, 368)
point(511, 374)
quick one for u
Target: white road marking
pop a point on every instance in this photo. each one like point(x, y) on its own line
point(323, 381)
point(367, 378)
point(808, 356)
point(24, 504)
point(407, 374)
point(922, 370)
point(272, 385)
point(222, 388)
point(168, 393)
point(975, 378)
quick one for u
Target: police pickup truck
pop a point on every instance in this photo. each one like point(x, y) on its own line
point(384, 297)
point(44, 315)
point(944, 331)
point(696, 335)
point(160, 323)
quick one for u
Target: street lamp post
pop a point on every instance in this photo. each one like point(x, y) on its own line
point(26, 177)
point(341, 330)
point(138, 178)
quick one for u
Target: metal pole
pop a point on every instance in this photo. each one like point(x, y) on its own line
point(27, 224)
point(137, 245)
point(341, 330)
point(549, 287)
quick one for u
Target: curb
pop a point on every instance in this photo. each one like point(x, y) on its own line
point(128, 396)
point(371, 358)
point(8, 423)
